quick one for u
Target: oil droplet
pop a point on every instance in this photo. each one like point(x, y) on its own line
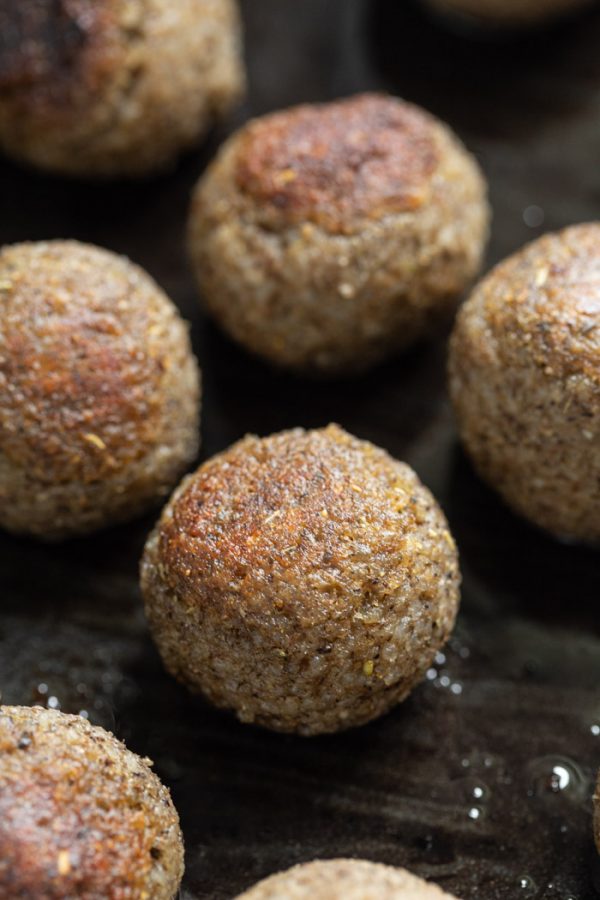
point(553, 776)
point(526, 883)
point(595, 729)
point(440, 658)
point(474, 813)
point(456, 688)
point(431, 674)
point(560, 778)
point(53, 703)
point(478, 792)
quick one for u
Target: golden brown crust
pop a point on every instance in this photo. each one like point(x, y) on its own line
point(286, 505)
point(340, 295)
point(304, 580)
point(359, 158)
point(525, 380)
point(99, 390)
point(80, 371)
point(81, 816)
point(541, 307)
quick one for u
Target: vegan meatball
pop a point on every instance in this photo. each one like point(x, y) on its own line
point(99, 390)
point(327, 237)
point(80, 815)
point(304, 580)
point(510, 12)
point(344, 879)
point(525, 381)
point(114, 87)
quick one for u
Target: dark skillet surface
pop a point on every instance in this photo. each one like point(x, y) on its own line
point(488, 791)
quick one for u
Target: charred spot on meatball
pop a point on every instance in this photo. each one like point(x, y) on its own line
point(327, 237)
point(114, 87)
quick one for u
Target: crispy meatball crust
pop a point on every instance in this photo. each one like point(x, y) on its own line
point(525, 381)
point(80, 815)
point(510, 12)
point(304, 580)
point(114, 87)
point(99, 390)
point(344, 879)
point(326, 237)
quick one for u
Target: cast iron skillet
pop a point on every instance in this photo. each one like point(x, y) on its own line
point(483, 779)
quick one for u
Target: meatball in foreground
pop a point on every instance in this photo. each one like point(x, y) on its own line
point(80, 815)
point(99, 390)
point(304, 580)
point(344, 879)
point(511, 13)
point(525, 381)
point(327, 237)
point(114, 87)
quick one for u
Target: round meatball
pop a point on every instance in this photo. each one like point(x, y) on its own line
point(510, 12)
point(304, 580)
point(327, 237)
point(80, 815)
point(525, 381)
point(344, 879)
point(114, 87)
point(99, 390)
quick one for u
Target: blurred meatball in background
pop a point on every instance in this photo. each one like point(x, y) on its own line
point(114, 87)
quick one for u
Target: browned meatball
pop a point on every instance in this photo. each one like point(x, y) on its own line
point(326, 237)
point(99, 390)
point(114, 87)
point(344, 879)
point(525, 381)
point(510, 12)
point(304, 580)
point(80, 815)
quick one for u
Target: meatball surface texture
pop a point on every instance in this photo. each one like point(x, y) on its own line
point(304, 580)
point(525, 381)
point(80, 815)
point(326, 237)
point(344, 879)
point(99, 390)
